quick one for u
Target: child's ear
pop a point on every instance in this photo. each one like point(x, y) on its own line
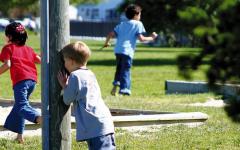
point(9, 37)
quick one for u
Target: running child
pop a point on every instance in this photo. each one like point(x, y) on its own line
point(20, 59)
point(127, 33)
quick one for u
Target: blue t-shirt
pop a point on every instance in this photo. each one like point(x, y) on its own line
point(127, 33)
point(92, 116)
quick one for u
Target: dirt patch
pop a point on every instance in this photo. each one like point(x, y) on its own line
point(4, 111)
point(210, 103)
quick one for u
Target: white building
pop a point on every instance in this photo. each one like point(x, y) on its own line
point(73, 12)
point(104, 11)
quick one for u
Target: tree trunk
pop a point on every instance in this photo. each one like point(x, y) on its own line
point(59, 113)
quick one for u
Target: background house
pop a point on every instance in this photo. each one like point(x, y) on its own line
point(104, 11)
point(73, 12)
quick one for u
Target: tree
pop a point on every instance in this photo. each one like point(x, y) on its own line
point(216, 24)
point(31, 6)
point(163, 15)
point(157, 15)
point(7, 6)
point(221, 45)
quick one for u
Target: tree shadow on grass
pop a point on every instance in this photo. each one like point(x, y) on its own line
point(136, 62)
point(107, 50)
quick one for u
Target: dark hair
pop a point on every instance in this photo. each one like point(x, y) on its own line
point(132, 10)
point(16, 33)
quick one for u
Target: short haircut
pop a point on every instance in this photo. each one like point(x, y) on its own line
point(132, 10)
point(16, 33)
point(77, 51)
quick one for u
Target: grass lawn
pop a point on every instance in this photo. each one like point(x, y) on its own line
point(151, 67)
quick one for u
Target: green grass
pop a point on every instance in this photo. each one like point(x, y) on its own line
point(151, 67)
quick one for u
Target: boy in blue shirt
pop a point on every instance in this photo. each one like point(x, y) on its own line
point(93, 118)
point(127, 33)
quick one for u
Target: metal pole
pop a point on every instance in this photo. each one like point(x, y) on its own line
point(45, 72)
point(60, 114)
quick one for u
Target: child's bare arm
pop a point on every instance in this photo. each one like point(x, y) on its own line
point(109, 37)
point(5, 66)
point(38, 59)
point(143, 38)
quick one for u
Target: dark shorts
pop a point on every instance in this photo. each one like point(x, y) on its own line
point(105, 142)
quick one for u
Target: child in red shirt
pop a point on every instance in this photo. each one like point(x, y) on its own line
point(20, 59)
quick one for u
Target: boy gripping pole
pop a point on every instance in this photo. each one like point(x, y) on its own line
point(93, 118)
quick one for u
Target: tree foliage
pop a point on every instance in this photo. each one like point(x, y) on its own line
point(171, 16)
point(8, 5)
point(216, 23)
point(213, 22)
point(158, 15)
point(31, 6)
point(221, 45)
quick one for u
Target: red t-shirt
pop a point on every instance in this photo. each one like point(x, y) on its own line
point(22, 62)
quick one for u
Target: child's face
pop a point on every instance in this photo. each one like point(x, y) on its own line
point(68, 63)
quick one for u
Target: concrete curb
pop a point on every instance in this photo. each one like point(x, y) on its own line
point(187, 87)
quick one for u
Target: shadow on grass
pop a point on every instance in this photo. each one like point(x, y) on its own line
point(136, 62)
point(168, 51)
point(160, 50)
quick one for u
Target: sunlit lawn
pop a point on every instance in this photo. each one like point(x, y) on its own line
point(151, 68)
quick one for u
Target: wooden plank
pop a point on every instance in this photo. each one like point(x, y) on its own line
point(115, 112)
point(132, 117)
point(10, 102)
point(142, 120)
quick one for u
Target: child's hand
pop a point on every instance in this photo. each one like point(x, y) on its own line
point(62, 79)
point(154, 35)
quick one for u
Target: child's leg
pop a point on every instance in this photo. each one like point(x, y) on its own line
point(105, 142)
point(20, 138)
point(15, 122)
point(27, 111)
point(125, 80)
point(21, 109)
point(116, 81)
point(114, 90)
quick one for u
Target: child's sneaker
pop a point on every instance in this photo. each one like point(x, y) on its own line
point(114, 91)
point(125, 92)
